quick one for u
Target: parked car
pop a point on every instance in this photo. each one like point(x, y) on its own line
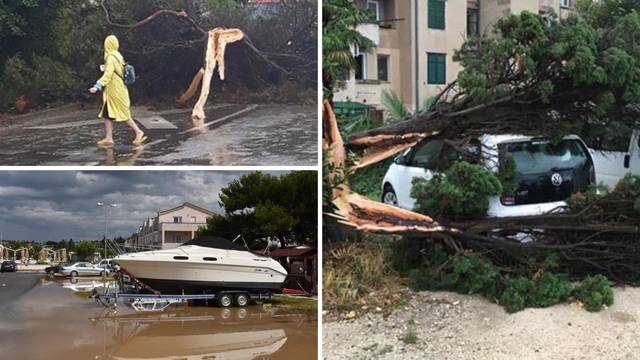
point(547, 173)
point(54, 269)
point(108, 264)
point(8, 266)
point(84, 269)
point(611, 166)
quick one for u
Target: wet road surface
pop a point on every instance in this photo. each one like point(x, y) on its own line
point(14, 285)
point(56, 320)
point(232, 134)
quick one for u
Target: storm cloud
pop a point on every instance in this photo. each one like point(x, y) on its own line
point(54, 205)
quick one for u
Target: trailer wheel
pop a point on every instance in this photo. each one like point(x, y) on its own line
point(242, 300)
point(225, 300)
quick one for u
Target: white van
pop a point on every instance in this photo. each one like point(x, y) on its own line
point(611, 166)
point(547, 173)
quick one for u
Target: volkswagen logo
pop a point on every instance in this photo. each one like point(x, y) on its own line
point(556, 179)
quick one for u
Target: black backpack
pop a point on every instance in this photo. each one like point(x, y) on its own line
point(129, 74)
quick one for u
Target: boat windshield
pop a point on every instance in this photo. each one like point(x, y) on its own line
point(214, 242)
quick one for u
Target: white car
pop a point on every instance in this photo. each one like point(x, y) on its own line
point(108, 264)
point(611, 166)
point(547, 173)
point(84, 269)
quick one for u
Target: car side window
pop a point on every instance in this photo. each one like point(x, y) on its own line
point(427, 154)
point(448, 156)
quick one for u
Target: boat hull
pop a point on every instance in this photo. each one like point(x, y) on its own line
point(170, 277)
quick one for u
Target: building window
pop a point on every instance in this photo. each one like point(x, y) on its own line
point(374, 7)
point(565, 3)
point(361, 67)
point(436, 68)
point(177, 219)
point(435, 10)
point(473, 29)
point(383, 67)
point(178, 238)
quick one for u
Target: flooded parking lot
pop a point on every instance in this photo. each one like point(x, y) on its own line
point(41, 318)
point(233, 134)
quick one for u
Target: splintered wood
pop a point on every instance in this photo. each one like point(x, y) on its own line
point(355, 210)
point(217, 41)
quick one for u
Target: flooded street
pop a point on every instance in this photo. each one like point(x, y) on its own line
point(232, 134)
point(55, 319)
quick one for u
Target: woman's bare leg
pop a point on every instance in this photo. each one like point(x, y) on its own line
point(108, 131)
point(139, 134)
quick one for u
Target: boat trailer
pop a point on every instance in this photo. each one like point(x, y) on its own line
point(159, 302)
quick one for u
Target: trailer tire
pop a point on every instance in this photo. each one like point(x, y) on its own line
point(225, 300)
point(242, 300)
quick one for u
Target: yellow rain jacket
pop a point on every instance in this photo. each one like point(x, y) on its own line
point(115, 95)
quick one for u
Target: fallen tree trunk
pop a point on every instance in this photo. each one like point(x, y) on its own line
point(216, 45)
point(603, 237)
point(192, 89)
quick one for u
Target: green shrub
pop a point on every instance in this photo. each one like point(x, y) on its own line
point(513, 298)
point(429, 267)
point(462, 193)
point(594, 292)
point(546, 290)
point(368, 181)
point(407, 253)
point(465, 274)
point(508, 175)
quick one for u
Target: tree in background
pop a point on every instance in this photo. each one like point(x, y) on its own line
point(259, 205)
point(52, 49)
point(86, 249)
point(339, 38)
point(536, 75)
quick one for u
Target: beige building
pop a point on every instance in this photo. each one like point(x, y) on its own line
point(415, 41)
point(170, 228)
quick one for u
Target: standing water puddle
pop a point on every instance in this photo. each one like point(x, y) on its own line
point(57, 320)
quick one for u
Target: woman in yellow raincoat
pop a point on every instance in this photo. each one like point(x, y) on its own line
point(115, 98)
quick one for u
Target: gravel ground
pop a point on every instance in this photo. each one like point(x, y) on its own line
point(444, 325)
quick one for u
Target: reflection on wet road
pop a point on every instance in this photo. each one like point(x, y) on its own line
point(232, 134)
point(53, 321)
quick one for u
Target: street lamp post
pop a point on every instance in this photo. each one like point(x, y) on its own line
point(106, 212)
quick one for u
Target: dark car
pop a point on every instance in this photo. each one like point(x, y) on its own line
point(8, 266)
point(54, 269)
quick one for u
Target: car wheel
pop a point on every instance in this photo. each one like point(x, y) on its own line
point(74, 273)
point(389, 196)
point(225, 300)
point(242, 300)
point(103, 273)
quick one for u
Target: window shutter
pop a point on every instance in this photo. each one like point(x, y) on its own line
point(431, 69)
point(436, 68)
point(436, 14)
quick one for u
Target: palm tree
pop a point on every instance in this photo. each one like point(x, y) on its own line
point(396, 109)
point(339, 37)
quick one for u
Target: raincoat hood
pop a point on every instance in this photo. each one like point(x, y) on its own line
point(111, 45)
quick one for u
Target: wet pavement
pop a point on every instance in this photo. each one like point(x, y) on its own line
point(55, 319)
point(232, 134)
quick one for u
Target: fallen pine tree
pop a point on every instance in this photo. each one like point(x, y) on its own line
point(578, 76)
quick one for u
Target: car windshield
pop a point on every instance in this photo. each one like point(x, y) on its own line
point(535, 157)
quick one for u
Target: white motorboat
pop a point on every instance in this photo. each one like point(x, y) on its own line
point(204, 265)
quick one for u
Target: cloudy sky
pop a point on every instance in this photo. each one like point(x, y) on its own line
point(52, 205)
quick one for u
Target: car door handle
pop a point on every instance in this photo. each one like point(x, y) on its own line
point(627, 160)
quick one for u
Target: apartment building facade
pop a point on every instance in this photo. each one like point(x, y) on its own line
point(169, 228)
point(415, 42)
